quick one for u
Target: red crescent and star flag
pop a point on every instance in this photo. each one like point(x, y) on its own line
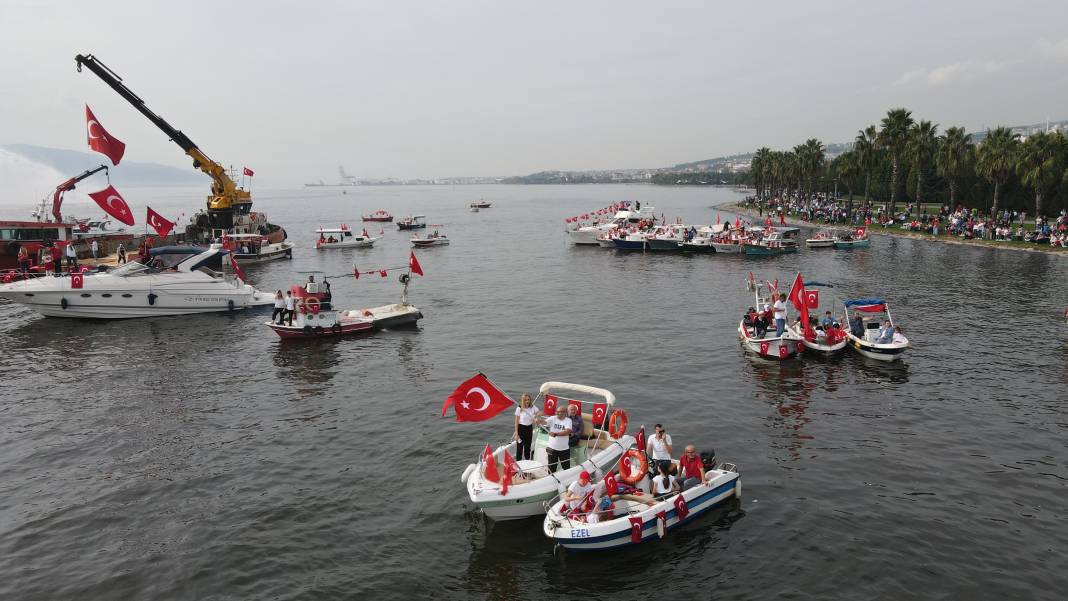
point(639, 440)
point(476, 400)
point(799, 298)
point(113, 204)
point(549, 405)
point(236, 267)
point(573, 403)
point(159, 223)
point(681, 508)
point(635, 530)
point(101, 141)
point(611, 487)
point(77, 280)
point(600, 412)
point(489, 466)
point(248, 172)
point(413, 265)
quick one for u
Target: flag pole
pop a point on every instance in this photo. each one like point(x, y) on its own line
point(498, 388)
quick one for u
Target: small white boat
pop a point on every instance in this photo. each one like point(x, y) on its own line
point(823, 339)
point(342, 237)
point(481, 204)
point(823, 239)
point(865, 317)
point(636, 518)
point(316, 317)
point(529, 491)
point(858, 238)
point(767, 345)
point(590, 235)
point(174, 280)
point(254, 248)
point(434, 238)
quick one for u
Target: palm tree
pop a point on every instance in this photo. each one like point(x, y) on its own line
point(866, 147)
point(812, 160)
point(923, 139)
point(894, 137)
point(996, 160)
point(954, 156)
point(1040, 164)
point(846, 168)
point(761, 169)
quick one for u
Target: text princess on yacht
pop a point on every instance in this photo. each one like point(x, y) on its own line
point(174, 280)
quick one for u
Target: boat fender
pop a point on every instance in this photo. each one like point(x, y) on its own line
point(152, 298)
point(319, 330)
point(230, 305)
point(467, 472)
point(738, 489)
point(633, 477)
point(405, 278)
point(307, 330)
point(63, 302)
point(289, 253)
point(336, 328)
point(618, 430)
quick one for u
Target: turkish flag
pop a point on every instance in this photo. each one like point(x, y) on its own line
point(717, 218)
point(413, 265)
point(382, 272)
point(784, 350)
point(799, 298)
point(511, 468)
point(635, 530)
point(812, 298)
point(236, 267)
point(681, 508)
point(77, 280)
point(489, 466)
point(737, 222)
point(600, 413)
point(859, 233)
point(611, 487)
point(355, 272)
point(248, 172)
point(113, 204)
point(639, 440)
point(476, 400)
point(159, 223)
point(763, 348)
point(549, 405)
point(573, 403)
point(101, 141)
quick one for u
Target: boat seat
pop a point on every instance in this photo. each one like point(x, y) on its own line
point(646, 499)
point(599, 443)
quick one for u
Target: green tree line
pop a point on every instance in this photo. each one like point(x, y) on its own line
point(902, 160)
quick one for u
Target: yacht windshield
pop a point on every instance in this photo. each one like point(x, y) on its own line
point(130, 268)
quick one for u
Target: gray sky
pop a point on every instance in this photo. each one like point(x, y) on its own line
point(449, 88)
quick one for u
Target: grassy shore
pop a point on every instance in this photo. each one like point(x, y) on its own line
point(894, 231)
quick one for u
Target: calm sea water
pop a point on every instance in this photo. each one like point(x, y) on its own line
point(200, 458)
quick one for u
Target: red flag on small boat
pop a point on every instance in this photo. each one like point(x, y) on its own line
point(355, 272)
point(489, 466)
point(600, 412)
point(611, 487)
point(681, 508)
point(549, 405)
point(159, 223)
point(639, 440)
point(77, 280)
point(248, 172)
point(413, 265)
point(476, 400)
point(101, 141)
point(763, 348)
point(784, 351)
point(237, 268)
point(511, 468)
point(737, 222)
point(799, 298)
point(717, 218)
point(635, 530)
point(382, 272)
point(113, 204)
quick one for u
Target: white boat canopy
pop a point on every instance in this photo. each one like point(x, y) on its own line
point(601, 392)
point(332, 230)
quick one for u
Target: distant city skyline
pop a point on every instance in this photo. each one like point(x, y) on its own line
point(435, 90)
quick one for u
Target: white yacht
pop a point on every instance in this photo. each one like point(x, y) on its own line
point(175, 280)
point(590, 234)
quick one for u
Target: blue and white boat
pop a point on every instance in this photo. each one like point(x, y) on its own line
point(864, 318)
point(633, 241)
point(638, 518)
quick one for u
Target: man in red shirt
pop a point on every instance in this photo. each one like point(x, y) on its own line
point(693, 471)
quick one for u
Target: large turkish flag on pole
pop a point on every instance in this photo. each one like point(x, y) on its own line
point(113, 204)
point(800, 300)
point(476, 400)
point(101, 141)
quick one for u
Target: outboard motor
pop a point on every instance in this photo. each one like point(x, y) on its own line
point(708, 459)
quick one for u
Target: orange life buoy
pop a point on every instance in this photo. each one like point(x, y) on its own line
point(626, 466)
point(615, 431)
point(313, 305)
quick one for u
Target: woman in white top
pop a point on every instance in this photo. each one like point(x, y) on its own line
point(279, 307)
point(665, 484)
point(525, 416)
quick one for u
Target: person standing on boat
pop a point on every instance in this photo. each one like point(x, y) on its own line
point(558, 449)
point(693, 470)
point(279, 312)
point(856, 326)
point(72, 257)
point(121, 254)
point(780, 315)
point(827, 320)
point(291, 307)
point(575, 415)
point(24, 261)
point(659, 448)
point(94, 248)
point(525, 416)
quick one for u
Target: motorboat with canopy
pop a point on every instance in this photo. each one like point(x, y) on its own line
point(756, 328)
point(380, 215)
point(599, 449)
point(865, 323)
point(172, 280)
point(415, 222)
point(254, 248)
point(772, 242)
point(858, 238)
point(825, 336)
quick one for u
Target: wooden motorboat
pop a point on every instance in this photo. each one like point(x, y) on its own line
point(316, 316)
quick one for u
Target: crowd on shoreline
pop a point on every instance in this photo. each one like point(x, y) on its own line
point(967, 224)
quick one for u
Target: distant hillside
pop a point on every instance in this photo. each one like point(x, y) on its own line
point(71, 162)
